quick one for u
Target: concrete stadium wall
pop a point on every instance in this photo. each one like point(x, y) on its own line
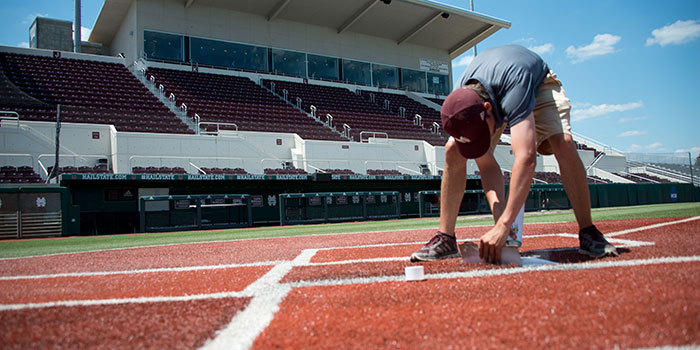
point(33, 143)
point(27, 142)
point(126, 39)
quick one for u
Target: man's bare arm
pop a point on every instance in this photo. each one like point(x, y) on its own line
point(523, 141)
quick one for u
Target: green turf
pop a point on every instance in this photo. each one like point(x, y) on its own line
point(35, 247)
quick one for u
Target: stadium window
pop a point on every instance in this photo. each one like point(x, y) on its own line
point(385, 76)
point(357, 72)
point(438, 84)
point(162, 46)
point(228, 54)
point(249, 57)
point(322, 67)
point(413, 80)
point(288, 62)
point(211, 52)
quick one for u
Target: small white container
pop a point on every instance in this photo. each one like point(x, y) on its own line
point(414, 273)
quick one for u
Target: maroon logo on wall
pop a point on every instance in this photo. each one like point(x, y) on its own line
point(95, 135)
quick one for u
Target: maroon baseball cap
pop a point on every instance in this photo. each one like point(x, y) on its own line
point(464, 118)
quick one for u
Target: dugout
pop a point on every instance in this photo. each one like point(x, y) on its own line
point(109, 203)
point(36, 211)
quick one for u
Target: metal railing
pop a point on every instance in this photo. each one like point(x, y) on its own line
point(218, 131)
point(374, 137)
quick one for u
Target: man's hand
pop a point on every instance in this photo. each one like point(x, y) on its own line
point(491, 243)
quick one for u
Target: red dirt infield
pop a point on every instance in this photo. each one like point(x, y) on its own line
point(348, 291)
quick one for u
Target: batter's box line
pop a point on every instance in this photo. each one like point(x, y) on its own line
point(649, 227)
point(619, 243)
point(499, 272)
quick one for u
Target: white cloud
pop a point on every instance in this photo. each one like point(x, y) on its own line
point(524, 41)
point(543, 49)
point(23, 44)
point(631, 119)
point(694, 151)
point(677, 33)
point(602, 44)
point(632, 133)
point(652, 147)
point(598, 110)
point(463, 61)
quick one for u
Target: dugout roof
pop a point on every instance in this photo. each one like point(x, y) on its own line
point(420, 22)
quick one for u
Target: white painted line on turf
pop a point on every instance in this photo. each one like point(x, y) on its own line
point(267, 295)
point(127, 272)
point(143, 300)
point(501, 272)
point(249, 323)
point(672, 347)
point(359, 261)
point(620, 243)
point(267, 287)
point(649, 227)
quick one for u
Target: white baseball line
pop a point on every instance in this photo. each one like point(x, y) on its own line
point(267, 295)
point(128, 272)
point(649, 227)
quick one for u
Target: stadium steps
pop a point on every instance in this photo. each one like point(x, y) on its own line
point(308, 114)
point(160, 95)
point(219, 98)
point(352, 109)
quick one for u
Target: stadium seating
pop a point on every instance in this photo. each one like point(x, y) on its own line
point(642, 178)
point(224, 171)
point(381, 172)
point(354, 110)
point(98, 169)
point(437, 100)
point(548, 177)
point(339, 171)
point(285, 171)
point(228, 99)
point(158, 170)
point(412, 107)
point(19, 175)
point(88, 92)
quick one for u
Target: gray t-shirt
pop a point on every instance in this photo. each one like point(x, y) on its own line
point(512, 75)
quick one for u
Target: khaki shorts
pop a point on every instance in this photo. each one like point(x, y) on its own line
point(552, 114)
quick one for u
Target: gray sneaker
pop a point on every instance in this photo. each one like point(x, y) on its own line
point(594, 244)
point(442, 246)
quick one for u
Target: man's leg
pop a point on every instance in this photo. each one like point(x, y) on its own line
point(573, 176)
point(454, 178)
point(454, 181)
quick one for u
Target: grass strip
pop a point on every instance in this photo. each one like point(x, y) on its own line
point(37, 247)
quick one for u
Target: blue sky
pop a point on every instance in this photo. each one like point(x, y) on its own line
point(630, 68)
